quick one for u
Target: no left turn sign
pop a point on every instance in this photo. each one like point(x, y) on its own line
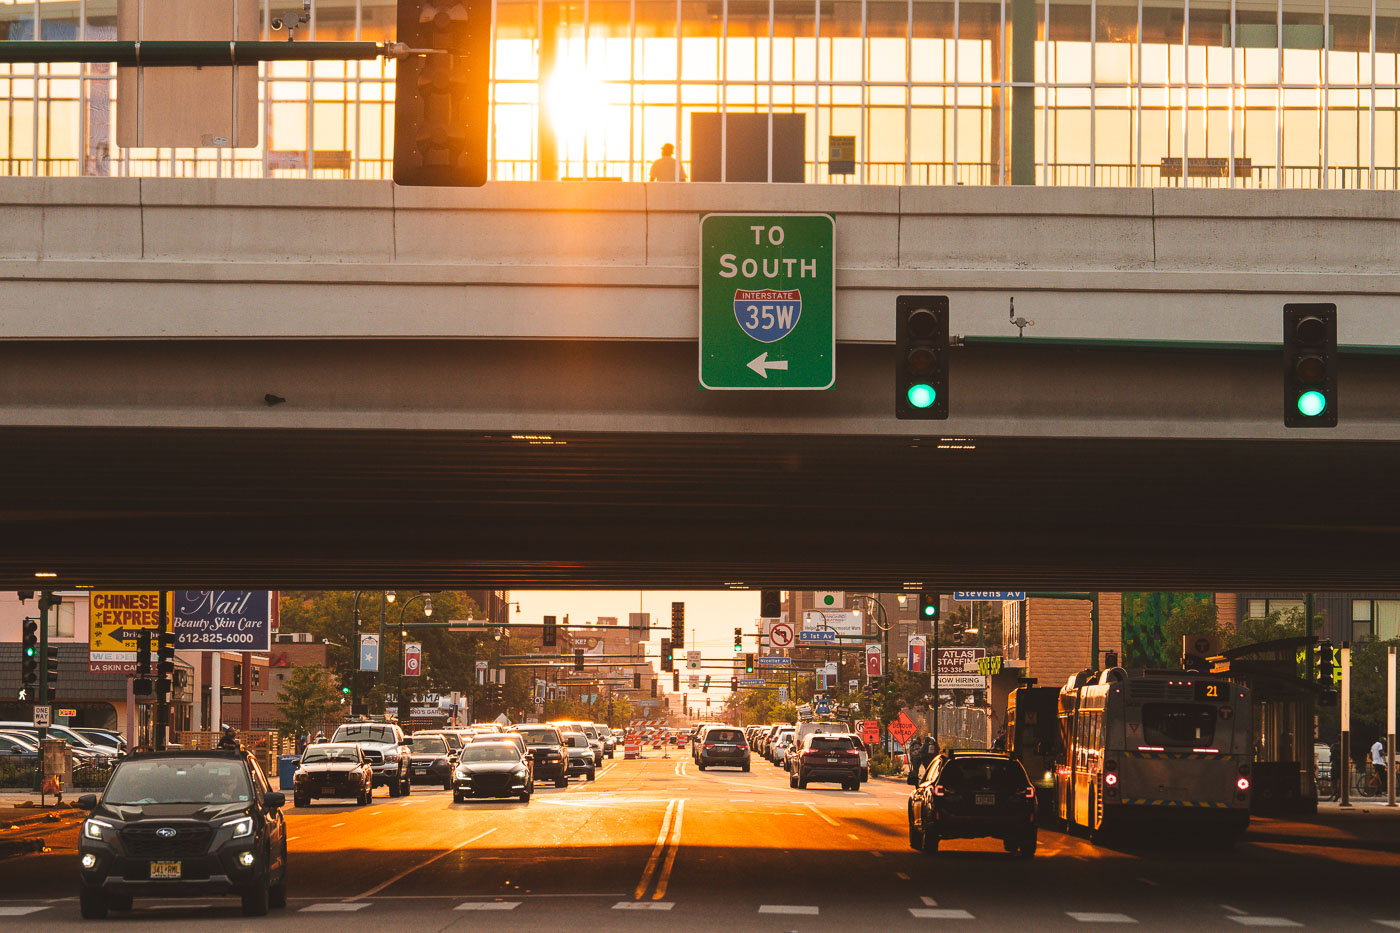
point(781, 635)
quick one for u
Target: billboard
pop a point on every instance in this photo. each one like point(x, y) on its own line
point(222, 620)
point(114, 617)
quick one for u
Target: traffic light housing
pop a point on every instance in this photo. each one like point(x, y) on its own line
point(733, 683)
point(675, 681)
point(578, 659)
point(677, 625)
point(748, 663)
point(706, 687)
point(29, 653)
point(1325, 665)
point(1310, 365)
point(770, 604)
point(51, 669)
point(928, 607)
point(440, 100)
point(667, 662)
point(143, 653)
point(550, 634)
point(165, 654)
point(921, 357)
point(636, 680)
point(738, 640)
point(653, 687)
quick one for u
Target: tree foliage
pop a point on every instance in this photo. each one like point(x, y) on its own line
point(308, 702)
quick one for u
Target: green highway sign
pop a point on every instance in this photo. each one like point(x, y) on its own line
point(767, 301)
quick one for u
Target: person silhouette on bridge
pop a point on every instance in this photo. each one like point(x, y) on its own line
point(667, 168)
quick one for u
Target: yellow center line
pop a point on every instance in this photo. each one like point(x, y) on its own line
point(655, 853)
point(671, 855)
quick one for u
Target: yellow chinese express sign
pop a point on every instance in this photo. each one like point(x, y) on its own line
point(115, 617)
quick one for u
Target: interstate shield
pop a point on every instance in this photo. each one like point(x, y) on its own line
point(767, 315)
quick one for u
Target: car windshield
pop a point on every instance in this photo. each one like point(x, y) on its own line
point(824, 743)
point(364, 733)
point(489, 753)
point(330, 753)
point(724, 735)
point(429, 745)
point(179, 780)
point(540, 737)
point(967, 774)
point(576, 740)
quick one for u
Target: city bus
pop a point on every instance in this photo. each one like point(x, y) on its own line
point(1033, 738)
point(1174, 746)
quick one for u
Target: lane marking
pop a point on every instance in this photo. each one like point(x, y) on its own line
point(675, 844)
point(877, 853)
point(940, 913)
point(644, 905)
point(337, 825)
point(1155, 884)
point(293, 838)
point(408, 871)
point(853, 836)
point(22, 911)
point(1094, 917)
point(823, 815)
point(929, 902)
point(655, 852)
point(1393, 924)
point(1233, 910)
point(901, 876)
point(336, 907)
point(1264, 921)
point(789, 909)
point(488, 905)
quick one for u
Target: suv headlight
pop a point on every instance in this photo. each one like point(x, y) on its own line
point(92, 828)
point(242, 827)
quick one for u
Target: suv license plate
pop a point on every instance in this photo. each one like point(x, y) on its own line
point(165, 870)
point(985, 800)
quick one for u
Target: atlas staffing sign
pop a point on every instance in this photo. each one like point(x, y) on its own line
point(767, 301)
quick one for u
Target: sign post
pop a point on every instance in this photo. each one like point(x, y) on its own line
point(767, 301)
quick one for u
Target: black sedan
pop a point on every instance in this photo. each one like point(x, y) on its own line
point(965, 795)
point(491, 769)
point(431, 760)
point(328, 770)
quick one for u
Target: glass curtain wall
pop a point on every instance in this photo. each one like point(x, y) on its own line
point(1197, 93)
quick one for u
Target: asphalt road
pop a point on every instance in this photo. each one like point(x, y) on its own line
point(655, 844)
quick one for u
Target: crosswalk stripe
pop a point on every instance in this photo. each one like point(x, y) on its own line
point(21, 911)
point(789, 909)
point(1094, 917)
point(939, 913)
point(644, 905)
point(488, 905)
point(333, 907)
point(1250, 921)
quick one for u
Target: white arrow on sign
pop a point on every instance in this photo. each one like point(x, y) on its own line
point(760, 364)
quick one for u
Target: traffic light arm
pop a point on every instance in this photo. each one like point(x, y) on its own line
point(197, 53)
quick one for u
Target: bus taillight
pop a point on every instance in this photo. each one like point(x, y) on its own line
point(1111, 779)
point(1242, 783)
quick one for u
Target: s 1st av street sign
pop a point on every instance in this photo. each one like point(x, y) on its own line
point(767, 301)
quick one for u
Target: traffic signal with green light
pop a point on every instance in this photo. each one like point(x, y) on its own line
point(29, 653)
point(738, 640)
point(921, 357)
point(748, 663)
point(1310, 365)
point(928, 607)
point(440, 98)
point(667, 660)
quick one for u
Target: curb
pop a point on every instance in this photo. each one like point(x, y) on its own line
point(20, 847)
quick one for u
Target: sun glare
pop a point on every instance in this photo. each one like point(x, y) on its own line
point(576, 98)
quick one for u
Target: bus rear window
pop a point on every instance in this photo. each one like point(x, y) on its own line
point(1168, 724)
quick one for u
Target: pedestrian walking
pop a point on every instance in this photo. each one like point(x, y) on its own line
point(916, 759)
point(1378, 762)
point(667, 168)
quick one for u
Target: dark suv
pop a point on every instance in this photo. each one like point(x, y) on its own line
point(965, 795)
point(825, 757)
point(547, 751)
point(721, 745)
point(182, 824)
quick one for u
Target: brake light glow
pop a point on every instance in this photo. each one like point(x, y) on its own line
point(1242, 783)
point(1151, 748)
point(1206, 751)
point(1110, 779)
point(708, 745)
point(938, 790)
point(1030, 792)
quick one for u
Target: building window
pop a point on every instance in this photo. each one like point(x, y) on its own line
point(1387, 619)
point(1256, 608)
point(1360, 620)
point(61, 622)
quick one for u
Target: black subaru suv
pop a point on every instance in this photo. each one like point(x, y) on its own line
point(179, 824)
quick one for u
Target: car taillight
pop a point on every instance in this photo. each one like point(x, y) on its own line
point(938, 790)
point(742, 748)
point(1030, 792)
point(1242, 783)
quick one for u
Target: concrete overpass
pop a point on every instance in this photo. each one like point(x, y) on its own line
point(498, 387)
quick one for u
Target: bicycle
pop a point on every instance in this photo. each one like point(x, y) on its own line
point(1369, 783)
